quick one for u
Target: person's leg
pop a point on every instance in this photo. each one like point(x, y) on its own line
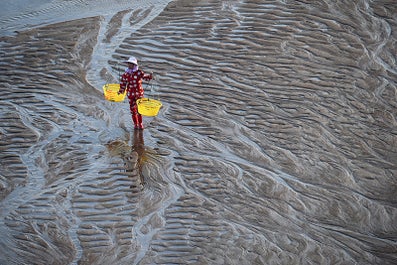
point(134, 113)
point(140, 122)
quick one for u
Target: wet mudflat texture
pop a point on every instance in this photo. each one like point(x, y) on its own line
point(276, 143)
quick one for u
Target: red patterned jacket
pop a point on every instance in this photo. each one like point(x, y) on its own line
point(132, 81)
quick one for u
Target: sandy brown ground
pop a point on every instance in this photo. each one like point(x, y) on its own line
point(276, 143)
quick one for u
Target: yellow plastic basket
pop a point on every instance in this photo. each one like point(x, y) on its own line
point(110, 92)
point(148, 107)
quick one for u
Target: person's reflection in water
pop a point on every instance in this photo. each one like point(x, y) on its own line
point(138, 145)
point(134, 157)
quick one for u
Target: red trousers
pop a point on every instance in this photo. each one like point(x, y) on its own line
point(136, 117)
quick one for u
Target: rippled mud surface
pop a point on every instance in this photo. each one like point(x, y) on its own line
point(276, 143)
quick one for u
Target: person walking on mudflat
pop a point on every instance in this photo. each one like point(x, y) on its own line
point(132, 81)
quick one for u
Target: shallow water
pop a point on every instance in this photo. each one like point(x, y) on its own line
point(276, 143)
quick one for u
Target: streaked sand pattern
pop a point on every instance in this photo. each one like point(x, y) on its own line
point(276, 143)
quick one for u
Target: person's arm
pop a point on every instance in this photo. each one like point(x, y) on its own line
point(123, 84)
point(148, 77)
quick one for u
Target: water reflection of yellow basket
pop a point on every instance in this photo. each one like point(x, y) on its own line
point(110, 92)
point(148, 107)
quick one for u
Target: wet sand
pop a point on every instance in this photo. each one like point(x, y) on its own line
point(276, 143)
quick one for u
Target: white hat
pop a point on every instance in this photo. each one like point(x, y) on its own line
point(133, 60)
